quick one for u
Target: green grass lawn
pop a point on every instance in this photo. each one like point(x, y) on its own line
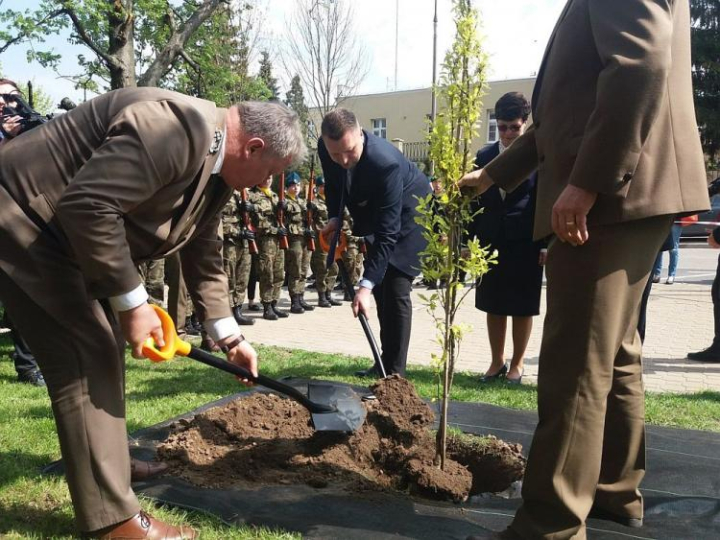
point(34, 506)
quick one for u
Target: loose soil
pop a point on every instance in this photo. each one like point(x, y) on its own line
point(267, 439)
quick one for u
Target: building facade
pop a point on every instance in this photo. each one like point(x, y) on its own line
point(403, 116)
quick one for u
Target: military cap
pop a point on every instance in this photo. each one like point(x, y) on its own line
point(292, 179)
point(319, 181)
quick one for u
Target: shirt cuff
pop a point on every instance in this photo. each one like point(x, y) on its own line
point(129, 300)
point(219, 329)
point(366, 283)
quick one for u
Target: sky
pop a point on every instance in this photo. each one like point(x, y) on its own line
point(515, 34)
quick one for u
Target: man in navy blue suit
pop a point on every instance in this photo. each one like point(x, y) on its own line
point(380, 188)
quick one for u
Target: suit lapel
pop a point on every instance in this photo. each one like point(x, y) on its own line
point(204, 195)
point(538, 80)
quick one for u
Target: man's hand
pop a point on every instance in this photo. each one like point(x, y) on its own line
point(138, 324)
point(569, 214)
point(475, 183)
point(361, 302)
point(713, 243)
point(243, 355)
point(329, 229)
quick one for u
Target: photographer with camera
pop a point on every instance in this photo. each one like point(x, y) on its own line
point(17, 116)
point(712, 353)
point(12, 125)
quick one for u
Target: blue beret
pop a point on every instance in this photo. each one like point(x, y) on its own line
point(292, 178)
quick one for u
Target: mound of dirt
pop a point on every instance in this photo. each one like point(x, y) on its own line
point(267, 439)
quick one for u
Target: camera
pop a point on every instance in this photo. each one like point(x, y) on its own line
point(29, 117)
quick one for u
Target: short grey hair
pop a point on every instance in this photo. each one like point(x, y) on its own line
point(277, 125)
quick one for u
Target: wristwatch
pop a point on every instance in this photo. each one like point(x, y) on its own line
point(234, 343)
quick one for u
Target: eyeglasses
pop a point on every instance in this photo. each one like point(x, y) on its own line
point(502, 128)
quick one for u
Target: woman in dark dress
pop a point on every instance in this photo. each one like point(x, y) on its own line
point(512, 287)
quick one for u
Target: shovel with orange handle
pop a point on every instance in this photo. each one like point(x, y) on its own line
point(340, 410)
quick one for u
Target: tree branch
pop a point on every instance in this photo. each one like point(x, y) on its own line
point(177, 41)
point(87, 40)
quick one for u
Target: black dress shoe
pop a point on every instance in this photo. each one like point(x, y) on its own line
point(500, 374)
point(370, 373)
point(598, 513)
point(711, 354)
point(33, 377)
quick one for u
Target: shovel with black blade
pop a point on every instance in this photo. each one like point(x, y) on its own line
point(332, 407)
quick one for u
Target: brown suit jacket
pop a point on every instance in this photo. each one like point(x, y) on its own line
point(613, 113)
point(123, 178)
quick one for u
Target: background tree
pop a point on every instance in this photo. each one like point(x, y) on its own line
point(706, 73)
point(325, 52)
point(295, 99)
point(107, 28)
point(444, 220)
point(219, 54)
point(265, 74)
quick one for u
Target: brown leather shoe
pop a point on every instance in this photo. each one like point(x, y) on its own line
point(144, 470)
point(143, 526)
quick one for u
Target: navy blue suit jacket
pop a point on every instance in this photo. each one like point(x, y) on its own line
point(503, 219)
point(382, 201)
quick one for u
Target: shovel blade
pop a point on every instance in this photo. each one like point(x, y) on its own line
point(350, 414)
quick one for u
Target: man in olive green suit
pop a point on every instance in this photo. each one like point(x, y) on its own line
point(618, 156)
point(129, 176)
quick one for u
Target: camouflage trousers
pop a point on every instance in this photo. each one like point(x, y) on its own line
point(271, 267)
point(353, 261)
point(237, 262)
point(296, 264)
point(324, 277)
point(152, 274)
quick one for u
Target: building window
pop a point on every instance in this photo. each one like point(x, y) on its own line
point(379, 127)
point(492, 127)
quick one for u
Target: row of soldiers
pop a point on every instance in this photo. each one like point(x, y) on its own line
point(270, 235)
point(256, 247)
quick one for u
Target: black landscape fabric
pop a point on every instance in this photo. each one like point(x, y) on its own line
point(681, 489)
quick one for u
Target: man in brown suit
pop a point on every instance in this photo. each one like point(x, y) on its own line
point(616, 147)
point(132, 175)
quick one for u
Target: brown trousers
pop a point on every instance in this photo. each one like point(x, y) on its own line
point(82, 359)
point(589, 444)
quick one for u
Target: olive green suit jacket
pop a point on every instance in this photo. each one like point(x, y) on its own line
point(121, 179)
point(613, 113)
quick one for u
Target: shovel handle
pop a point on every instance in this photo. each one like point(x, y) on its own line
point(262, 380)
point(174, 346)
point(363, 319)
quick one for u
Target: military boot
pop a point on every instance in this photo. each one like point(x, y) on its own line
point(280, 313)
point(295, 306)
point(240, 318)
point(304, 304)
point(269, 312)
point(333, 302)
point(347, 296)
point(322, 299)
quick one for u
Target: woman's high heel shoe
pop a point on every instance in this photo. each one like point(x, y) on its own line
point(517, 380)
point(496, 376)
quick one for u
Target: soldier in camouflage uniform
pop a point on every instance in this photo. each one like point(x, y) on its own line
point(271, 259)
point(324, 277)
point(152, 274)
point(352, 257)
point(236, 255)
point(296, 214)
